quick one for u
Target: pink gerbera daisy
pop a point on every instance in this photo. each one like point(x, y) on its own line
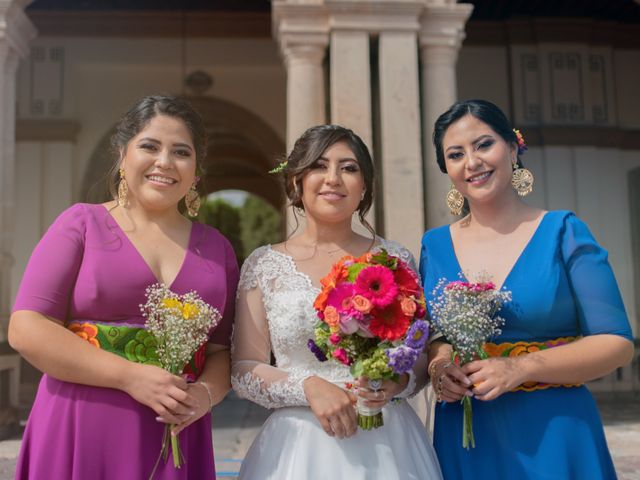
point(377, 284)
point(340, 297)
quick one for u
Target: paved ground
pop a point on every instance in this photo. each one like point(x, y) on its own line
point(236, 423)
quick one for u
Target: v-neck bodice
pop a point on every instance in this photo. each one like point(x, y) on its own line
point(560, 259)
point(521, 258)
point(127, 241)
point(93, 272)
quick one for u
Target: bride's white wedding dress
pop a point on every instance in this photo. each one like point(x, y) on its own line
point(274, 313)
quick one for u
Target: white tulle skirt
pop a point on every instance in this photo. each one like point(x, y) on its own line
point(293, 446)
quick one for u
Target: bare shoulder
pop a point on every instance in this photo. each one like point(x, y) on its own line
point(534, 214)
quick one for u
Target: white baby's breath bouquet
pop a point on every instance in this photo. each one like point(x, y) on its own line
point(181, 325)
point(467, 315)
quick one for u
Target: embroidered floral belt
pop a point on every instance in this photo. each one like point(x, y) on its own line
point(133, 343)
point(522, 348)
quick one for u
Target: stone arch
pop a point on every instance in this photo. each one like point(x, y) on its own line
point(242, 149)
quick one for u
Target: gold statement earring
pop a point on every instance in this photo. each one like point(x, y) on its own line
point(192, 200)
point(455, 201)
point(522, 180)
point(123, 189)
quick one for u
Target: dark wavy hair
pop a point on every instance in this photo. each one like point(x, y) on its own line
point(484, 111)
point(139, 116)
point(310, 146)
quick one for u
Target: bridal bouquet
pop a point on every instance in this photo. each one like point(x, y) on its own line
point(180, 325)
point(466, 314)
point(370, 310)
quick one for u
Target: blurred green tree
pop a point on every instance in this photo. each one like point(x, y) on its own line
point(225, 217)
point(260, 224)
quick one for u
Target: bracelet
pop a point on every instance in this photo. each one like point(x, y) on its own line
point(438, 387)
point(433, 366)
point(206, 387)
point(432, 370)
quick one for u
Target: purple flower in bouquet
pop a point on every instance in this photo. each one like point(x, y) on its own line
point(402, 358)
point(316, 350)
point(417, 335)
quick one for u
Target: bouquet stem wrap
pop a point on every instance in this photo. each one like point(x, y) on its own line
point(370, 417)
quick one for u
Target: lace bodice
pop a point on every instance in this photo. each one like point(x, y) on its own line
point(274, 314)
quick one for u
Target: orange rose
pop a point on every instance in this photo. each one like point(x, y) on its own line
point(533, 348)
point(86, 331)
point(361, 304)
point(331, 317)
point(408, 306)
point(365, 258)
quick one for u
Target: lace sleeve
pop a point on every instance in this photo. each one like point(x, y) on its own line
point(394, 248)
point(252, 376)
point(418, 380)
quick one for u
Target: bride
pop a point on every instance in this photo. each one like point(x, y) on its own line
point(313, 433)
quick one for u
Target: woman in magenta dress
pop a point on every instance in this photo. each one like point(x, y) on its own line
point(100, 412)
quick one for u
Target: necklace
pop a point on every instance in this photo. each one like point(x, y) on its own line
point(330, 253)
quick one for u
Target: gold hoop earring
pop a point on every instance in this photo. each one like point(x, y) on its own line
point(455, 201)
point(123, 189)
point(192, 201)
point(522, 180)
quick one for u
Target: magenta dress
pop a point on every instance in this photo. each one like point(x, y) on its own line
point(86, 269)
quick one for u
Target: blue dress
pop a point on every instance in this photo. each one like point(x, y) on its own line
point(562, 286)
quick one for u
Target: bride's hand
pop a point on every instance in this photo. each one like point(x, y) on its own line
point(379, 398)
point(332, 406)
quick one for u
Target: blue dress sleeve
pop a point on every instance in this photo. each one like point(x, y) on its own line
point(50, 276)
point(597, 297)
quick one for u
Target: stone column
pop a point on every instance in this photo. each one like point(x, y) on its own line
point(401, 152)
point(350, 86)
point(15, 33)
point(351, 82)
point(301, 29)
point(441, 34)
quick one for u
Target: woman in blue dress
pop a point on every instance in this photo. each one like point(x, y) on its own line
point(566, 324)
